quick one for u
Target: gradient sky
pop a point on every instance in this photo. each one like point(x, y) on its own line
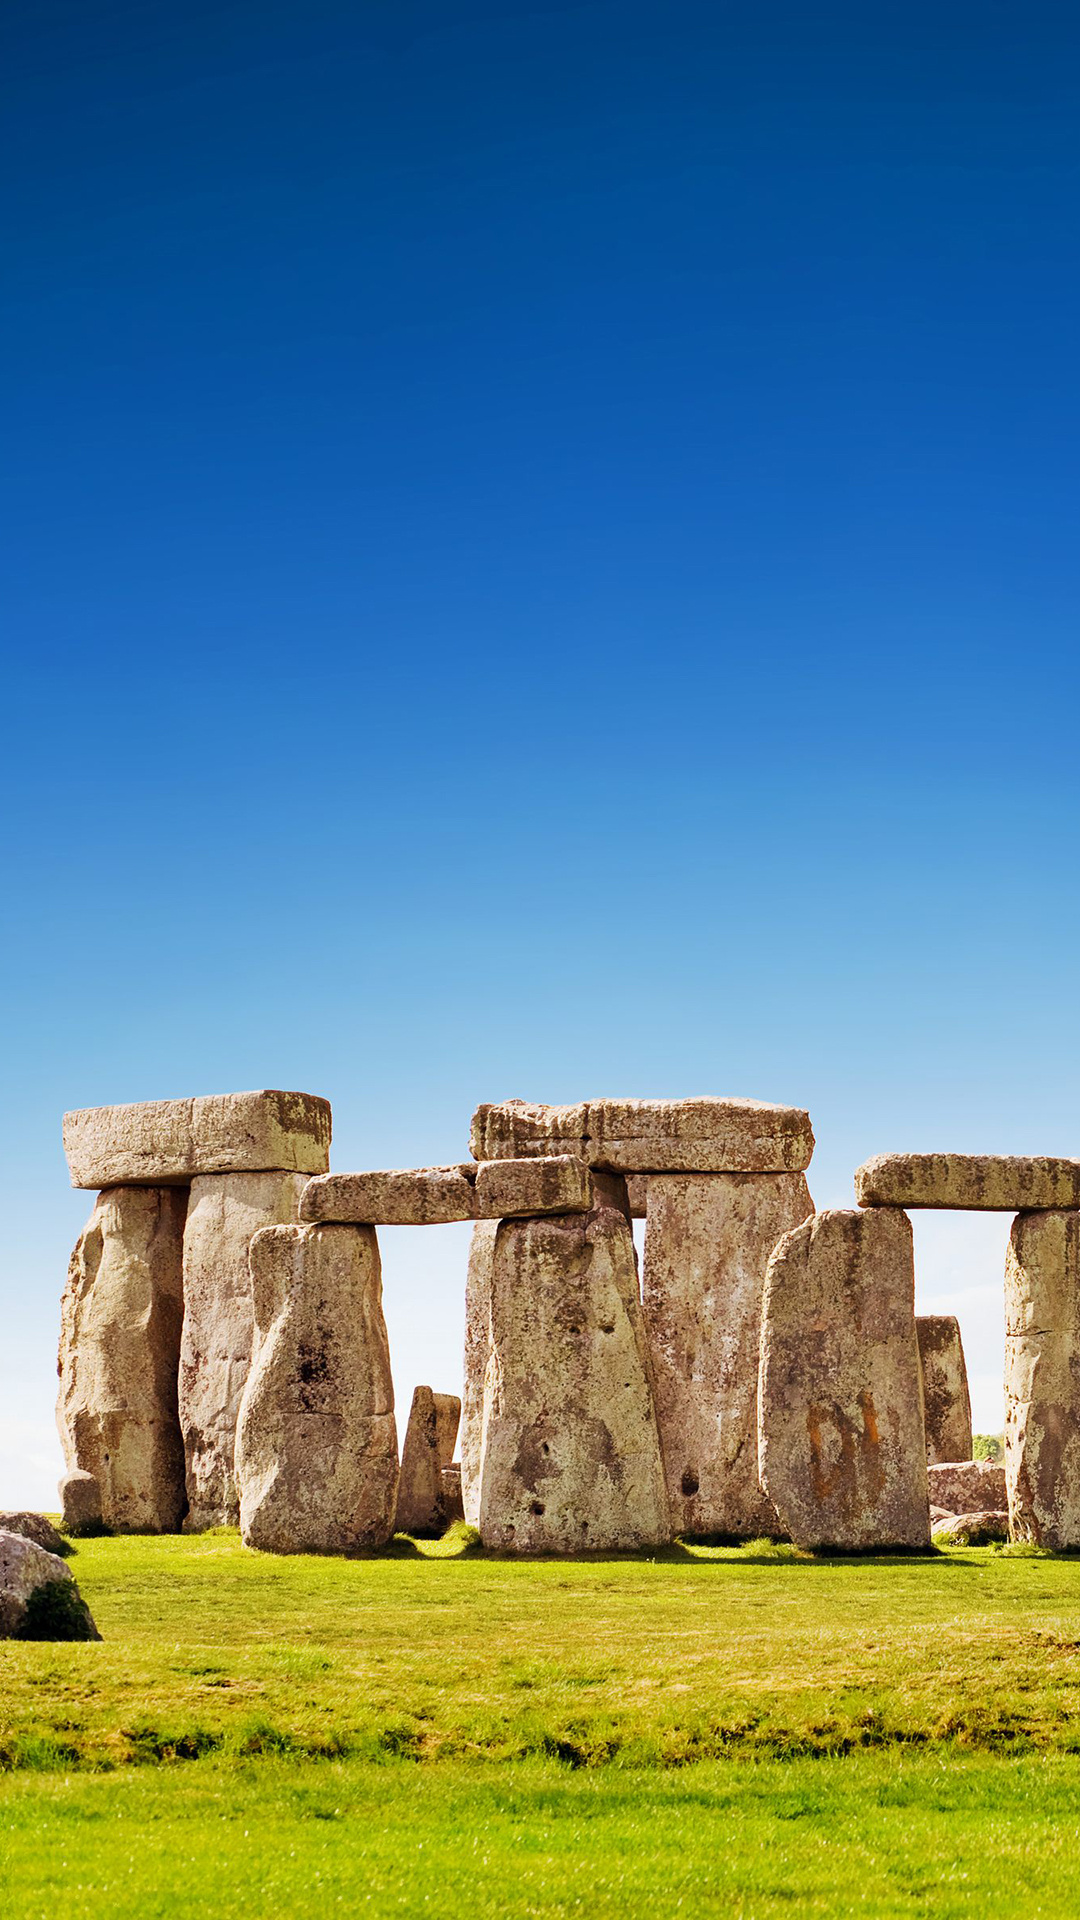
point(540, 558)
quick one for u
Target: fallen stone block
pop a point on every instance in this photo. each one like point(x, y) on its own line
point(569, 1452)
point(707, 1244)
point(841, 1442)
point(982, 1529)
point(967, 1486)
point(120, 1354)
point(477, 1352)
point(39, 1599)
point(80, 1502)
point(167, 1142)
point(707, 1135)
point(1042, 1378)
point(316, 1442)
point(946, 1403)
point(225, 1210)
point(428, 1450)
point(35, 1527)
point(981, 1182)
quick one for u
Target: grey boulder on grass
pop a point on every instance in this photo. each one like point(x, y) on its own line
point(38, 1597)
point(35, 1527)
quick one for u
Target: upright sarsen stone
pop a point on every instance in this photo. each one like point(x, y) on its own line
point(428, 1449)
point(569, 1452)
point(841, 1441)
point(119, 1354)
point(707, 1242)
point(946, 1403)
point(477, 1352)
point(316, 1443)
point(1042, 1378)
point(224, 1212)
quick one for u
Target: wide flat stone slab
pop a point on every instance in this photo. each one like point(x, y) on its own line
point(705, 1135)
point(433, 1196)
point(973, 1182)
point(161, 1143)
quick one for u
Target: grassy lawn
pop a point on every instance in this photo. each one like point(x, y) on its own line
point(723, 1730)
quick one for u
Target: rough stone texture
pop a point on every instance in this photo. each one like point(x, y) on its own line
point(1042, 1378)
point(707, 1243)
point(637, 1195)
point(946, 1403)
point(707, 1135)
point(24, 1568)
point(35, 1527)
point(972, 1529)
point(168, 1142)
point(967, 1486)
point(316, 1443)
point(453, 1508)
point(399, 1197)
point(981, 1182)
point(224, 1211)
point(569, 1452)
point(841, 1442)
point(80, 1501)
point(477, 1349)
point(429, 1448)
point(507, 1189)
point(119, 1356)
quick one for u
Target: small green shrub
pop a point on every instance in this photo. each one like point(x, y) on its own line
point(988, 1446)
point(57, 1611)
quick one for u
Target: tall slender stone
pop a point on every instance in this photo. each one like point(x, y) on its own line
point(1042, 1378)
point(569, 1451)
point(946, 1402)
point(316, 1443)
point(224, 1212)
point(428, 1448)
point(707, 1242)
point(477, 1350)
point(841, 1440)
point(119, 1353)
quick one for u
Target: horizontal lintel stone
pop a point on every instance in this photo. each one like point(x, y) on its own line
point(706, 1135)
point(975, 1182)
point(433, 1196)
point(168, 1142)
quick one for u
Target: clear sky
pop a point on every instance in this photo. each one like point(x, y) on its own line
point(539, 557)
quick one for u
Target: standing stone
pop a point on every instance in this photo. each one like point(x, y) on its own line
point(428, 1450)
point(477, 1350)
point(224, 1211)
point(80, 1502)
point(316, 1443)
point(569, 1451)
point(946, 1403)
point(707, 1243)
point(841, 1441)
point(1042, 1378)
point(119, 1354)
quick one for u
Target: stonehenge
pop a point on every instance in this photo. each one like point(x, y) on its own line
point(224, 1357)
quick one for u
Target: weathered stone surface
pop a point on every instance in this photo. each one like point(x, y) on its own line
point(27, 1570)
point(707, 1243)
point(979, 1529)
point(841, 1442)
point(119, 1356)
point(509, 1189)
point(707, 1135)
point(569, 1452)
point(399, 1197)
point(316, 1443)
point(967, 1486)
point(637, 1195)
point(946, 1403)
point(35, 1527)
point(167, 1142)
point(224, 1212)
point(477, 1349)
point(982, 1182)
point(1042, 1378)
point(80, 1502)
point(453, 1508)
point(429, 1448)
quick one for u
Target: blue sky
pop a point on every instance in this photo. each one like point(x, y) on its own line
point(540, 558)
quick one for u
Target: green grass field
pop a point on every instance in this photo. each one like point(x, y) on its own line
point(738, 1731)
